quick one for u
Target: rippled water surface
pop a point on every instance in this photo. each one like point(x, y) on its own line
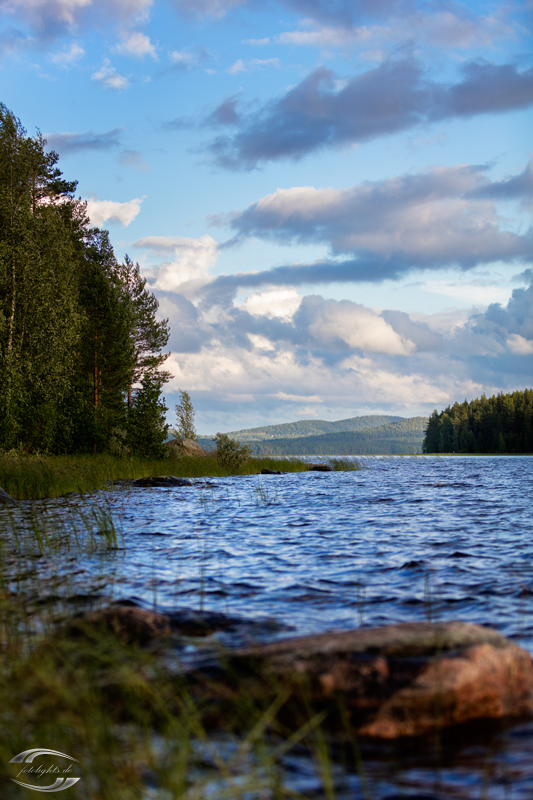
point(404, 539)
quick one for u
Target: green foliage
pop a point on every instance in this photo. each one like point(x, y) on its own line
point(231, 454)
point(77, 329)
point(499, 424)
point(147, 429)
point(185, 417)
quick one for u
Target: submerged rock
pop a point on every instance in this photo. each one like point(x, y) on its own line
point(159, 480)
point(6, 499)
point(133, 624)
point(130, 623)
point(397, 680)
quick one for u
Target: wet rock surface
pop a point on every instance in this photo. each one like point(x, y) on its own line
point(395, 681)
point(133, 624)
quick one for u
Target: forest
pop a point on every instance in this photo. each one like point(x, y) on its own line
point(81, 349)
point(402, 437)
point(499, 424)
point(306, 427)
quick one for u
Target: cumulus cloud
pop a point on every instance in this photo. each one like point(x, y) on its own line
point(281, 303)
point(440, 218)
point(136, 44)
point(187, 265)
point(342, 355)
point(100, 211)
point(68, 143)
point(351, 326)
point(395, 96)
point(109, 78)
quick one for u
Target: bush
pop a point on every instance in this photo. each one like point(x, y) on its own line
point(231, 454)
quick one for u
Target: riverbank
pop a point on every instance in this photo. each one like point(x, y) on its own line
point(37, 477)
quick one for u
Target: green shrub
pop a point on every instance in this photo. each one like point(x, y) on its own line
point(231, 454)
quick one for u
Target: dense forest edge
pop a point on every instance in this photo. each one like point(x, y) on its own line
point(81, 349)
point(501, 424)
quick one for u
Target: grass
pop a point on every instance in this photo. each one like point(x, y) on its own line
point(38, 477)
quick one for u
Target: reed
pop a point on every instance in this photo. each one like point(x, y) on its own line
point(36, 477)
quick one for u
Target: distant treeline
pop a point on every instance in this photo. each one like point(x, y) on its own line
point(310, 427)
point(404, 436)
point(499, 424)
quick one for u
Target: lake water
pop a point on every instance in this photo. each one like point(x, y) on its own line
point(404, 539)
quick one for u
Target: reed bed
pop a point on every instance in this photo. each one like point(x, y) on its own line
point(37, 477)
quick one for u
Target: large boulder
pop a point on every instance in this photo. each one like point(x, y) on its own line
point(188, 447)
point(394, 681)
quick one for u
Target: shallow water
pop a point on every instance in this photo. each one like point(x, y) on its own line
point(405, 539)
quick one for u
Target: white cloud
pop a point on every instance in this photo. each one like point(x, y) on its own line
point(136, 44)
point(253, 63)
point(237, 67)
point(359, 328)
point(257, 42)
point(68, 55)
point(188, 268)
point(282, 302)
point(519, 345)
point(108, 77)
point(445, 216)
point(101, 211)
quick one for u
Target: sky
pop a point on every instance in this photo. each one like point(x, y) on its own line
point(331, 199)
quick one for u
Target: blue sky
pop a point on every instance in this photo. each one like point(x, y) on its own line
point(331, 199)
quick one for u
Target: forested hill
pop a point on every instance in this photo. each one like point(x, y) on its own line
point(402, 436)
point(502, 423)
point(307, 427)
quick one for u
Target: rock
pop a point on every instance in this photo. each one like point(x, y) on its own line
point(188, 447)
point(189, 622)
point(320, 468)
point(6, 499)
point(160, 480)
point(397, 680)
point(266, 471)
point(130, 623)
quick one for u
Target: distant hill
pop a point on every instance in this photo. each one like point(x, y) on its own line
point(386, 437)
point(303, 428)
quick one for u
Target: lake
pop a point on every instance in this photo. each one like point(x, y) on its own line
point(403, 539)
